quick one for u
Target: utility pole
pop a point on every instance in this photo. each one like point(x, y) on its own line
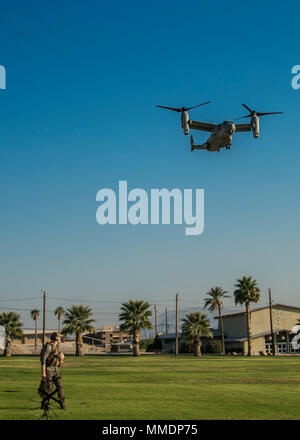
point(166, 320)
point(155, 312)
point(271, 323)
point(176, 339)
point(44, 316)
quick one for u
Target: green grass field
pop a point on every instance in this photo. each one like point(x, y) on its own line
point(159, 387)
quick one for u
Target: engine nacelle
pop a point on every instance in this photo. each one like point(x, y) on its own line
point(255, 126)
point(185, 122)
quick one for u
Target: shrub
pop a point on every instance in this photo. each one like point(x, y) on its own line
point(145, 343)
point(213, 346)
point(186, 347)
point(155, 345)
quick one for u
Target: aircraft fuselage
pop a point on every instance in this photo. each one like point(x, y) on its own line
point(221, 136)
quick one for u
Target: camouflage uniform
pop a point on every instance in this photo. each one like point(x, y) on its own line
point(51, 359)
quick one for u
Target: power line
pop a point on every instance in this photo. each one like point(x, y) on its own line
point(19, 299)
point(109, 302)
point(101, 301)
point(85, 300)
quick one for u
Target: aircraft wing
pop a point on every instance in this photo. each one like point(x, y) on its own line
point(243, 127)
point(203, 126)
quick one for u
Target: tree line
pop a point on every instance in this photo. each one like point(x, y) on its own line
point(136, 315)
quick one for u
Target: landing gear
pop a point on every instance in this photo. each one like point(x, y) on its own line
point(228, 147)
point(208, 146)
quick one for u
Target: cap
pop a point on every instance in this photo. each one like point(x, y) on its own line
point(55, 336)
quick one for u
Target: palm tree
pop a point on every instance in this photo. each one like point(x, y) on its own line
point(195, 325)
point(246, 292)
point(215, 302)
point(78, 320)
point(59, 312)
point(35, 313)
point(12, 324)
point(135, 316)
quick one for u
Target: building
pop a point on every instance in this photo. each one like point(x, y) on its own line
point(284, 318)
point(169, 341)
point(119, 347)
point(106, 336)
point(28, 336)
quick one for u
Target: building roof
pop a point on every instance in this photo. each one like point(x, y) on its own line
point(110, 328)
point(39, 332)
point(277, 305)
point(258, 335)
point(173, 335)
point(168, 335)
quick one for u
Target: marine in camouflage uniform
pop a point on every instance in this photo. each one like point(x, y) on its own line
point(51, 359)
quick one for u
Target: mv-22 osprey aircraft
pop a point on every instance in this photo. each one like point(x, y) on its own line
point(221, 134)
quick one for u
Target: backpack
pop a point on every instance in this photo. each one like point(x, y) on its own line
point(43, 351)
point(53, 359)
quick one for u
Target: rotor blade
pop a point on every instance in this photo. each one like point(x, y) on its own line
point(170, 108)
point(242, 117)
point(204, 103)
point(270, 113)
point(247, 108)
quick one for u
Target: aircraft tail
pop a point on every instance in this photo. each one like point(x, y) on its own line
point(192, 143)
point(197, 147)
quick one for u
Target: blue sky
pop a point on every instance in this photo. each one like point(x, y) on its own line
point(79, 115)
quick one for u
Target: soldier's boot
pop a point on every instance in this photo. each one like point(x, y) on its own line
point(62, 404)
